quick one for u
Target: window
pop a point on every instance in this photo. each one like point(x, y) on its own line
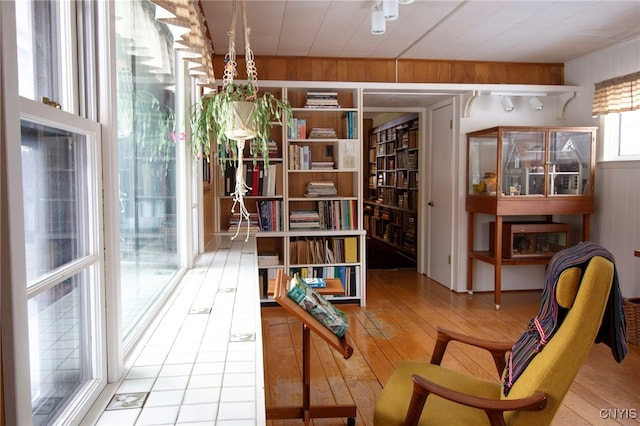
point(62, 247)
point(618, 101)
point(622, 136)
point(147, 164)
point(45, 47)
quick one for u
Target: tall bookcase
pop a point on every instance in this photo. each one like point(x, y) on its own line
point(391, 208)
point(311, 221)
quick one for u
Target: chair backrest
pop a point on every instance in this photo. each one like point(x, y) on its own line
point(553, 370)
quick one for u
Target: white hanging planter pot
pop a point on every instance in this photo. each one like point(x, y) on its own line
point(240, 125)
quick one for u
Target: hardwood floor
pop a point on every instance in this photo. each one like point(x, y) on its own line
point(403, 309)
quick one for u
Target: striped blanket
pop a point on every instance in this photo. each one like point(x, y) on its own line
point(612, 331)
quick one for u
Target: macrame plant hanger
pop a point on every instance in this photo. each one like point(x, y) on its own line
point(241, 187)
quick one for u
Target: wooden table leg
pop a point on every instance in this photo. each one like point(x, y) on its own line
point(470, 222)
point(307, 411)
point(497, 291)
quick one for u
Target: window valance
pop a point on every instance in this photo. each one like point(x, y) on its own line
point(617, 95)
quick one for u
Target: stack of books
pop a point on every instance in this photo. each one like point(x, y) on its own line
point(304, 219)
point(322, 165)
point(321, 189)
point(272, 148)
point(268, 259)
point(322, 100)
point(254, 224)
point(323, 133)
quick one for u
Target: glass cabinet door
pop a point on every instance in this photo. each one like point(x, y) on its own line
point(531, 162)
point(483, 153)
point(523, 161)
point(569, 168)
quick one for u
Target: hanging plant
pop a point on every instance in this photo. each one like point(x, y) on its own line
point(153, 126)
point(236, 114)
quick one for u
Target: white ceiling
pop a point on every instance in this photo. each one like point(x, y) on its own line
point(476, 30)
point(473, 30)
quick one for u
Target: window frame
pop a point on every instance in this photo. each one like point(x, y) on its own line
point(611, 137)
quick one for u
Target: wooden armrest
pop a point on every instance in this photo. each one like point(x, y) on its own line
point(496, 348)
point(422, 387)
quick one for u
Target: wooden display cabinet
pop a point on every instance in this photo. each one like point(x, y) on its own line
point(526, 171)
point(530, 240)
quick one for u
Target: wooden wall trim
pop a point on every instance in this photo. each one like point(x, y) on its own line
point(408, 70)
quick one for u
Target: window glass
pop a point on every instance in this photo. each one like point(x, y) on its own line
point(147, 164)
point(622, 133)
point(55, 194)
point(570, 163)
point(59, 184)
point(60, 349)
point(630, 134)
point(39, 40)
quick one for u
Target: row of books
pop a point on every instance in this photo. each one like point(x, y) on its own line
point(331, 215)
point(320, 250)
point(346, 274)
point(337, 214)
point(261, 181)
point(298, 129)
point(269, 215)
point(350, 120)
point(299, 157)
point(322, 100)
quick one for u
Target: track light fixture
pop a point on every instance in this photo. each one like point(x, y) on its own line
point(536, 103)
point(378, 25)
point(507, 105)
point(390, 9)
point(385, 10)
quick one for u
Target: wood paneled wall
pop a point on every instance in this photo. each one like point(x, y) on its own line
point(408, 70)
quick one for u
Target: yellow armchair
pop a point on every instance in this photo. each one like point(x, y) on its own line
point(421, 393)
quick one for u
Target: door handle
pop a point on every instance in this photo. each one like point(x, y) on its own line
point(430, 203)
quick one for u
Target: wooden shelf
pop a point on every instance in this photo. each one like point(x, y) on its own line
point(489, 257)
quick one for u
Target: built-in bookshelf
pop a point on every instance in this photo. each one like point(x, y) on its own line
point(308, 219)
point(390, 212)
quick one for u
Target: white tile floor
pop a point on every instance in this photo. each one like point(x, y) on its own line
point(202, 363)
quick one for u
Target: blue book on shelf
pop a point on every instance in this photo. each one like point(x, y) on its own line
point(315, 282)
